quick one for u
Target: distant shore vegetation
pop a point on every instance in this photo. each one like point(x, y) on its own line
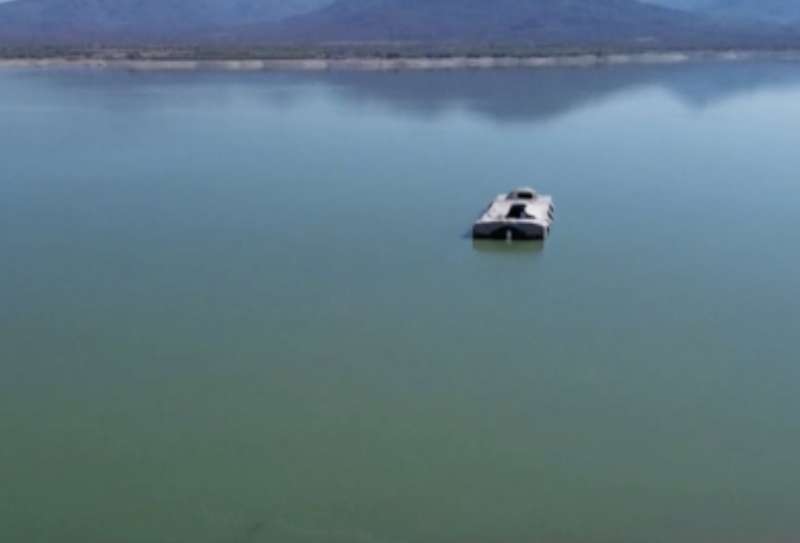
point(347, 51)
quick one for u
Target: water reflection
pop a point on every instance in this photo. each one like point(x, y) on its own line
point(191, 299)
point(505, 247)
point(526, 95)
point(544, 94)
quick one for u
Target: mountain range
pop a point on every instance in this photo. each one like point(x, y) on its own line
point(87, 20)
point(654, 23)
point(773, 11)
point(482, 21)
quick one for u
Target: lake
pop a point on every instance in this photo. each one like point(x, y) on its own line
point(243, 307)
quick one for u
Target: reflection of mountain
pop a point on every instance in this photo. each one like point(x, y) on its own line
point(512, 95)
point(703, 85)
point(541, 94)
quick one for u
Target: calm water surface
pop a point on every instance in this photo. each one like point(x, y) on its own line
point(242, 308)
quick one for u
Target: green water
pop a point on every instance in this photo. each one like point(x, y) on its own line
point(242, 307)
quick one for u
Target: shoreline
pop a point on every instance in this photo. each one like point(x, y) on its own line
point(398, 63)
